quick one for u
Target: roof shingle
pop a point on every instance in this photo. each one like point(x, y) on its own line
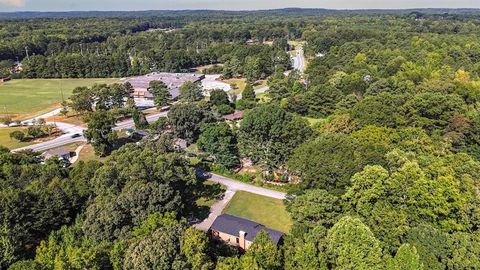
point(233, 225)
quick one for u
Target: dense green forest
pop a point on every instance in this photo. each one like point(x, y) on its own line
point(386, 177)
point(112, 47)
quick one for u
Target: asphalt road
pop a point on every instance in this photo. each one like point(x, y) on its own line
point(299, 61)
point(130, 124)
point(66, 138)
point(234, 185)
point(70, 130)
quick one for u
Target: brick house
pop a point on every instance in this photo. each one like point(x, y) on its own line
point(240, 232)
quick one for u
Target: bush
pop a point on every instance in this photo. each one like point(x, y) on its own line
point(225, 109)
point(215, 69)
point(35, 132)
point(17, 135)
point(243, 104)
point(6, 120)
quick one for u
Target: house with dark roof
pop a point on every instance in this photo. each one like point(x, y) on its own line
point(60, 153)
point(240, 232)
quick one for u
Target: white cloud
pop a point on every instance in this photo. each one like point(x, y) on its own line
point(15, 3)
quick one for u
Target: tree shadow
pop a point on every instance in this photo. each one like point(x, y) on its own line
point(207, 194)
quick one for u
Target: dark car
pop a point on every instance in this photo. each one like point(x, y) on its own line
point(76, 135)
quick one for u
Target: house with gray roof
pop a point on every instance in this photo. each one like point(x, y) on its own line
point(141, 84)
point(240, 232)
point(60, 153)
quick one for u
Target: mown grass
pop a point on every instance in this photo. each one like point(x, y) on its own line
point(264, 210)
point(6, 141)
point(25, 98)
point(88, 153)
point(240, 84)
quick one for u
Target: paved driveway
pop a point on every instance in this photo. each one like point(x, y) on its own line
point(232, 187)
point(236, 185)
point(215, 211)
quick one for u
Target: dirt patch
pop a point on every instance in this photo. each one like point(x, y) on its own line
point(250, 170)
point(74, 119)
point(205, 67)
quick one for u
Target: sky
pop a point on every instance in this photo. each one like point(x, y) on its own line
point(86, 5)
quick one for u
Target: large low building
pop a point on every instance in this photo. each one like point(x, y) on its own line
point(141, 84)
point(240, 232)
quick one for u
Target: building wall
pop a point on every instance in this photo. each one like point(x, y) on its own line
point(247, 244)
point(230, 239)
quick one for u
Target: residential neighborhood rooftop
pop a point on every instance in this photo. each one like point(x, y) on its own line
point(57, 152)
point(233, 116)
point(233, 225)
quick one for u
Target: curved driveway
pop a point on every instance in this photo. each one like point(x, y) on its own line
point(232, 187)
point(236, 185)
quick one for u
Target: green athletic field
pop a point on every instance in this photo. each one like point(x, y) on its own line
point(27, 98)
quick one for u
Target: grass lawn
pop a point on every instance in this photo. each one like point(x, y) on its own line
point(12, 143)
point(313, 121)
point(27, 98)
point(240, 84)
point(72, 147)
point(264, 210)
point(211, 193)
point(262, 97)
point(260, 84)
point(88, 154)
point(70, 118)
point(296, 43)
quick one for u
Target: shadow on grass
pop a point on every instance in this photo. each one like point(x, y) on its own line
point(207, 194)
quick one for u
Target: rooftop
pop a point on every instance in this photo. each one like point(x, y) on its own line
point(233, 225)
point(172, 80)
point(57, 152)
point(233, 116)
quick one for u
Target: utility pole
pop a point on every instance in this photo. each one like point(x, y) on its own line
point(61, 90)
point(26, 52)
point(6, 112)
point(81, 49)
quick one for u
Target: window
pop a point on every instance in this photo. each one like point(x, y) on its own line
point(238, 240)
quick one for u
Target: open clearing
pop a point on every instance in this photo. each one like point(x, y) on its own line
point(264, 210)
point(6, 141)
point(88, 154)
point(10, 143)
point(27, 98)
point(239, 83)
